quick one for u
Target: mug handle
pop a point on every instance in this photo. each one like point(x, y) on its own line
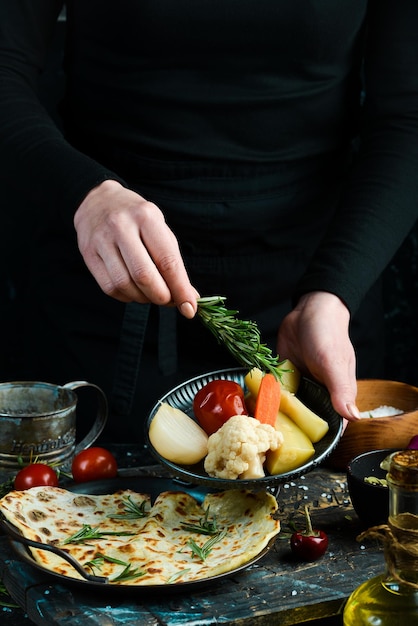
point(101, 415)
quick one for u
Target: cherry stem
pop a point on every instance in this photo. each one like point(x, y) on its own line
point(309, 530)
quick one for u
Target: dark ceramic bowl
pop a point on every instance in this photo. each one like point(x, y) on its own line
point(370, 501)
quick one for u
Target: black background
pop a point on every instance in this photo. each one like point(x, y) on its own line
point(16, 225)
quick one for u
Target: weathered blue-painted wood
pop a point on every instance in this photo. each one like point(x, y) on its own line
point(276, 590)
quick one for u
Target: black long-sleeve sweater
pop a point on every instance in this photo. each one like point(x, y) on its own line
point(261, 82)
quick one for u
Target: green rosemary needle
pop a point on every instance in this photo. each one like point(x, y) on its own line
point(5, 599)
point(87, 533)
point(126, 574)
point(241, 337)
point(204, 526)
point(203, 551)
point(6, 487)
point(177, 575)
point(131, 510)
point(96, 563)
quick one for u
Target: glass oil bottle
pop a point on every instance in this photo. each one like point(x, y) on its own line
point(391, 599)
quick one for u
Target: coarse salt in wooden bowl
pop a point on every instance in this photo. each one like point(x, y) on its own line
point(377, 433)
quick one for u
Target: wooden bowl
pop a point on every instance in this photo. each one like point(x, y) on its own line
point(378, 433)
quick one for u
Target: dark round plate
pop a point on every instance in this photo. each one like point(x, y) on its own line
point(313, 395)
point(152, 486)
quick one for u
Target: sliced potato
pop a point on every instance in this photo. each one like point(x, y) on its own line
point(295, 450)
point(290, 380)
point(312, 425)
point(309, 422)
point(252, 381)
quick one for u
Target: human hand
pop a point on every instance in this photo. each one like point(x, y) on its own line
point(314, 336)
point(129, 249)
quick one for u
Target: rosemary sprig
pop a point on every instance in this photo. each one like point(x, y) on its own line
point(100, 558)
point(5, 603)
point(177, 575)
point(205, 526)
point(87, 533)
point(202, 552)
point(126, 574)
point(241, 337)
point(96, 563)
point(131, 510)
point(6, 487)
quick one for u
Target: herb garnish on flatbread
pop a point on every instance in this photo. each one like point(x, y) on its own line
point(129, 540)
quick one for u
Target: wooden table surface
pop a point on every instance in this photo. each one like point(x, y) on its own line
point(276, 590)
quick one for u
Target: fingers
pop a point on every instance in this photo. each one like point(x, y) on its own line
point(338, 375)
point(315, 337)
point(164, 252)
point(130, 250)
point(188, 309)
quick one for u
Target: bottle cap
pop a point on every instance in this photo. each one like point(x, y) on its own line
point(404, 467)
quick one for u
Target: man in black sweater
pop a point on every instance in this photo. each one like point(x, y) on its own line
point(220, 147)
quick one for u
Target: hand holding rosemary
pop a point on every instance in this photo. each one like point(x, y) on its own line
point(241, 337)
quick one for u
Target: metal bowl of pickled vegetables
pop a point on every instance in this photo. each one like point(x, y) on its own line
point(241, 451)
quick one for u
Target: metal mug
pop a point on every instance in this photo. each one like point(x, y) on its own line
point(38, 421)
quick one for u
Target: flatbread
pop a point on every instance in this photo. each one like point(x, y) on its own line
point(159, 551)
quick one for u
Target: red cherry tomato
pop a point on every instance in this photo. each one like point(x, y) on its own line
point(216, 402)
point(309, 544)
point(35, 475)
point(93, 464)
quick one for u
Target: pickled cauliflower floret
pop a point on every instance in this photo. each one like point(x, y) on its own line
point(238, 449)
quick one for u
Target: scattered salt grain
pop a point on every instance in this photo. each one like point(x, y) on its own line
point(382, 411)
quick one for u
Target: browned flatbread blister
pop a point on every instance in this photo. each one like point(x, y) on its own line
point(158, 547)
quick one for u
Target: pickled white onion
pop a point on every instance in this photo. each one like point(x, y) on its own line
point(177, 437)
